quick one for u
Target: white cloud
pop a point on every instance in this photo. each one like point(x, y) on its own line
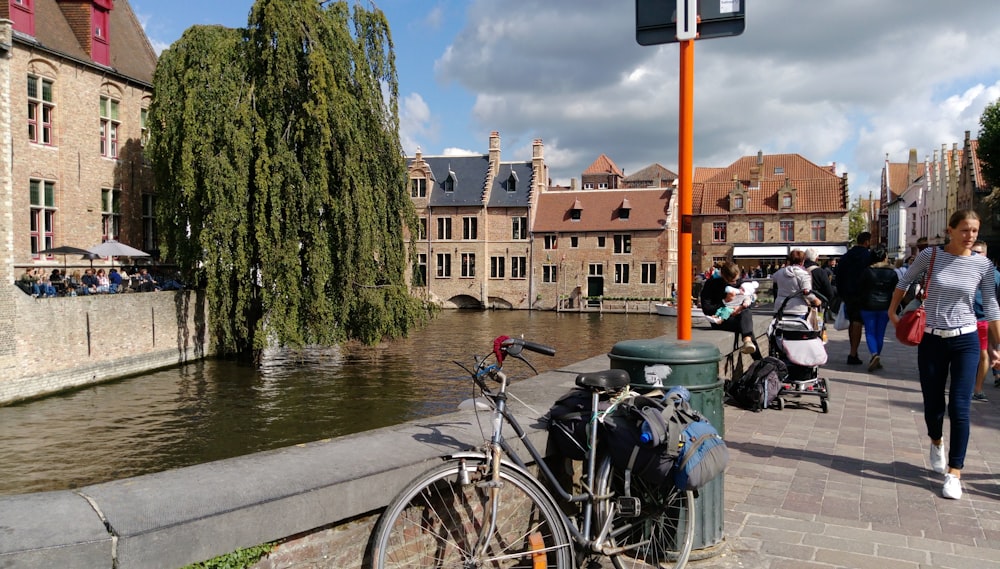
point(415, 122)
point(460, 152)
point(841, 82)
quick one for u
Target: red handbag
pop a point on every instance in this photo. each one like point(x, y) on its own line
point(911, 325)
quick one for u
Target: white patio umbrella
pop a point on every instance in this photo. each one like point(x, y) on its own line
point(112, 248)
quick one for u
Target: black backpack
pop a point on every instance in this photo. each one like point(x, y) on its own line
point(568, 420)
point(758, 387)
point(676, 434)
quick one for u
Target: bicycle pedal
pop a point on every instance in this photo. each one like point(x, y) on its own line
point(628, 506)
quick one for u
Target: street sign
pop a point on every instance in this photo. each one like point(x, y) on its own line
point(656, 20)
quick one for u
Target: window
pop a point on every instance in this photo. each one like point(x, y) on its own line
point(621, 273)
point(600, 241)
point(40, 110)
point(422, 229)
point(574, 242)
point(786, 200)
point(548, 273)
point(520, 228)
point(623, 244)
point(420, 271)
point(518, 267)
point(144, 127)
point(787, 230)
point(470, 228)
point(109, 127)
point(596, 270)
point(449, 183)
point(649, 273)
point(149, 236)
point(756, 231)
point(602, 186)
point(551, 242)
point(574, 214)
point(511, 183)
point(738, 201)
point(588, 186)
point(23, 16)
point(818, 229)
point(718, 232)
point(444, 228)
point(111, 213)
point(443, 265)
point(418, 188)
point(497, 267)
point(43, 215)
point(778, 170)
point(468, 265)
point(913, 224)
point(623, 213)
point(100, 47)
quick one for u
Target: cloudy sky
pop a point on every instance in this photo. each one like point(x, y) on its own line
point(845, 81)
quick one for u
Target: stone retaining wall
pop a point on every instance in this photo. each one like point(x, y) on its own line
point(319, 500)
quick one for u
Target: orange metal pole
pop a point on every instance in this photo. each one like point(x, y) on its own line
point(686, 173)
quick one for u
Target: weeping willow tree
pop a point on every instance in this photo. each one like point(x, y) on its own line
point(281, 180)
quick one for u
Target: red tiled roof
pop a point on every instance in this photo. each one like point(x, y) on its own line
point(652, 176)
point(603, 165)
point(599, 210)
point(899, 174)
point(818, 189)
point(977, 164)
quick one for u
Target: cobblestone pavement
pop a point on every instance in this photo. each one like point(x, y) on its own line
point(852, 488)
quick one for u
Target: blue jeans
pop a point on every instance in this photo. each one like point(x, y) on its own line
point(875, 322)
point(936, 356)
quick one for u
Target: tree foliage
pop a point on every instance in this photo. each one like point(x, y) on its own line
point(857, 219)
point(989, 143)
point(281, 180)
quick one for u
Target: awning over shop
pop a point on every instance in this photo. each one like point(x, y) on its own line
point(830, 250)
point(760, 251)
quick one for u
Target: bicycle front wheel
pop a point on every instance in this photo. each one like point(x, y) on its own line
point(659, 534)
point(445, 519)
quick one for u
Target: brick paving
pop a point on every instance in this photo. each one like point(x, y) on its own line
point(852, 488)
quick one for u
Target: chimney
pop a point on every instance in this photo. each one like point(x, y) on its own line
point(538, 173)
point(755, 170)
point(494, 153)
point(911, 168)
point(572, 184)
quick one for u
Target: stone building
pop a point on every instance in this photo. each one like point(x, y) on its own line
point(81, 74)
point(759, 207)
point(474, 238)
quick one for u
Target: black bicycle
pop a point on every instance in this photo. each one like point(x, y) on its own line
point(486, 508)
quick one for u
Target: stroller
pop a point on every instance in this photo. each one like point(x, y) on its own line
point(799, 342)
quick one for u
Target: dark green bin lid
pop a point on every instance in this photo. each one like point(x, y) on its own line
point(660, 350)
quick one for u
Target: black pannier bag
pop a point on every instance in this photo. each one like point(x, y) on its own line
point(568, 420)
point(759, 386)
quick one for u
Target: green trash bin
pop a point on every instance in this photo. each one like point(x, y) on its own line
point(662, 363)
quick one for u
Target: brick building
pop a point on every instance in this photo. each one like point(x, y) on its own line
point(81, 74)
point(759, 207)
point(474, 238)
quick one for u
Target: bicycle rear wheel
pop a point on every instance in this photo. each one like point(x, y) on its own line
point(439, 520)
point(660, 535)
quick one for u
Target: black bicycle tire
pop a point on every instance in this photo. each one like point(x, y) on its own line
point(395, 530)
point(657, 503)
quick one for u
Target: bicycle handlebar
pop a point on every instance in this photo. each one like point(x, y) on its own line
point(532, 346)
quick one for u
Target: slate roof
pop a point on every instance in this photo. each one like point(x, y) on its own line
point(500, 197)
point(131, 53)
point(469, 173)
point(819, 189)
point(599, 210)
point(652, 176)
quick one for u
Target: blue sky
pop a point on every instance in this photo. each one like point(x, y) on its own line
point(844, 82)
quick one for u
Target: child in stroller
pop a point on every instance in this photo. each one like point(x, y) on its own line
point(799, 342)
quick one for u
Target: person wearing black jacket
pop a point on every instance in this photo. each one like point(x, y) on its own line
point(713, 297)
point(850, 266)
point(877, 284)
point(820, 280)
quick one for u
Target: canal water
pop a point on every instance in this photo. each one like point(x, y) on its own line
point(211, 410)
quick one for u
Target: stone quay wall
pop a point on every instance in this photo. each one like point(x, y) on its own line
point(318, 500)
point(68, 342)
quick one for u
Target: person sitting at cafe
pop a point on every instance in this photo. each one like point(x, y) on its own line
point(115, 281)
point(89, 280)
point(45, 286)
point(103, 282)
point(146, 281)
point(74, 284)
point(29, 282)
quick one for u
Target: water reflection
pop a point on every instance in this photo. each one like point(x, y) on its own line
point(213, 409)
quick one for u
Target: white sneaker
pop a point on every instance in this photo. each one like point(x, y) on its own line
point(939, 463)
point(952, 488)
point(748, 347)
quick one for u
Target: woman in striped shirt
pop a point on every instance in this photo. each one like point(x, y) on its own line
point(950, 341)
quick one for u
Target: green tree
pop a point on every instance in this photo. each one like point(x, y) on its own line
point(857, 219)
point(989, 143)
point(282, 183)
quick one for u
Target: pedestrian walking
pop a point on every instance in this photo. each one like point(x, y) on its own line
point(852, 264)
point(950, 344)
point(980, 248)
point(878, 282)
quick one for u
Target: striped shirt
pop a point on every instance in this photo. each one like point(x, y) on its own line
point(954, 281)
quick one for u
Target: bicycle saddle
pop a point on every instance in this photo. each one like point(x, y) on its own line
point(604, 379)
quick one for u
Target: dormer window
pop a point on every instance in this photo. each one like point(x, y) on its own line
point(511, 184)
point(450, 181)
point(22, 13)
point(624, 209)
point(738, 202)
point(576, 210)
point(786, 200)
point(786, 196)
point(99, 18)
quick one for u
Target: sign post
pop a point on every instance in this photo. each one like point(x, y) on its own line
point(684, 21)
